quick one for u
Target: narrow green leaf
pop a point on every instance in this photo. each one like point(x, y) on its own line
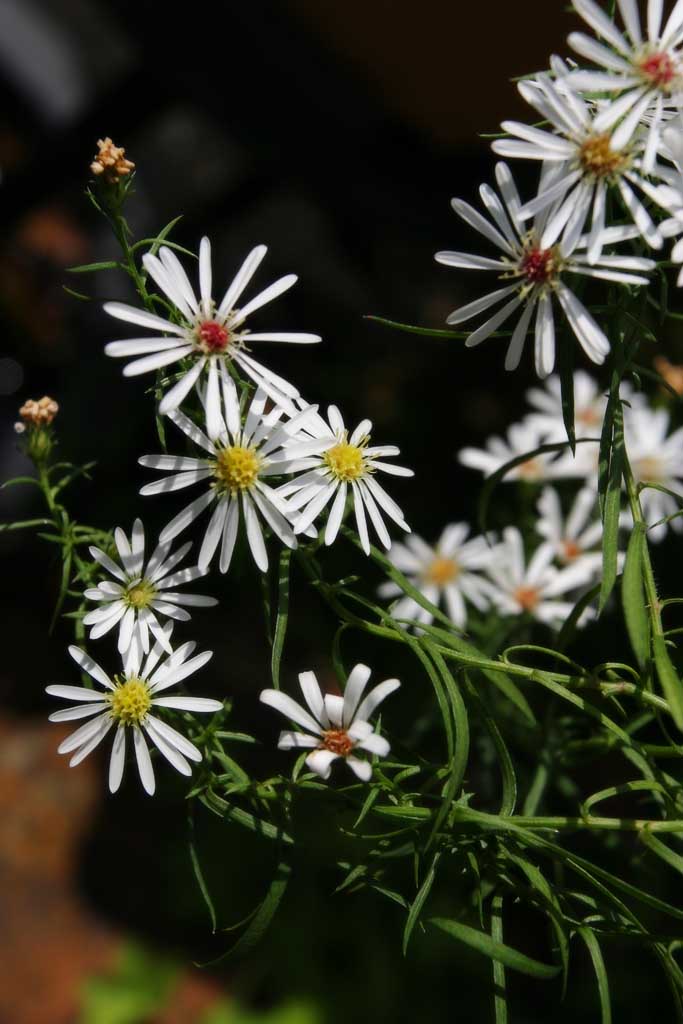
point(260, 922)
point(500, 1003)
point(282, 615)
point(197, 869)
point(612, 510)
point(633, 596)
point(668, 678)
point(419, 901)
point(674, 860)
point(76, 295)
point(426, 331)
point(490, 947)
point(566, 634)
point(593, 947)
point(87, 268)
point(566, 368)
point(25, 524)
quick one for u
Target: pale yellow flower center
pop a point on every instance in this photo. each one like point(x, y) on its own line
point(649, 469)
point(345, 461)
point(140, 595)
point(442, 571)
point(527, 597)
point(236, 468)
point(599, 159)
point(130, 701)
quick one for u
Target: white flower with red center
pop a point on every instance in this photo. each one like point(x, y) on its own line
point(202, 332)
point(335, 726)
point(576, 537)
point(448, 573)
point(583, 164)
point(521, 439)
point(656, 457)
point(130, 703)
point(590, 403)
point(642, 69)
point(138, 594)
point(533, 273)
point(534, 588)
point(238, 461)
point(343, 465)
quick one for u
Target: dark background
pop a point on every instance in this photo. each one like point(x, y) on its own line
point(336, 133)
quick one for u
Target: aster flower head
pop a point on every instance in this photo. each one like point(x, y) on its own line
point(590, 403)
point(534, 588)
point(137, 595)
point(521, 439)
point(130, 702)
point(448, 573)
point(335, 726)
point(534, 268)
point(583, 162)
point(343, 464)
point(237, 460)
point(576, 537)
point(655, 457)
point(202, 331)
point(642, 65)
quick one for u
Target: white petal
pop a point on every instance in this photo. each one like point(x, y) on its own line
point(320, 762)
point(242, 279)
point(375, 698)
point(117, 758)
point(290, 709)
point(85, 662)
point(181, 389)
point(353, 691)
point(144, 762)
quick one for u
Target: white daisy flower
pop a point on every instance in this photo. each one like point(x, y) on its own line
point(537, 270)
point(208, 333)
point(673, 140)
point(343, 464)
point(239, 460)
point(656, 457)
point(138, 593)
point(447, 572)
point(521, 439)
point(644, 68)
point(127, 702)
point(590, 403)
point(532, 589)
point(574, 539)
point(583, 163)
point(335, 726)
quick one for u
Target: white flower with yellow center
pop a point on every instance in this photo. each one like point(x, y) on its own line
point(534, 588)
point(239, 460)
point(129, 702)
point(209, 333)
point(656, 457)
point(584, 162)
point(521, 439)
point(642, 69)
point(449, 572)
point(576, 538)
point(533, 268)
point(345, 464)
point(335, 726)
point(139, 594)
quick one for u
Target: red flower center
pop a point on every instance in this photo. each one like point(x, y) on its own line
point(213, 337)
point(538, 265)
point(659, 69)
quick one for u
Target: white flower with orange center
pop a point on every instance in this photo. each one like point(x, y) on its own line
point(532, 589)
point(533, 269)
point(576, 539)
point(345, 465)
point(238, 461)
point(130, 703)
point(521, 439)
point(583, 162)
point(590, 403)
point(335, 726)
point(448, 573)
point(200, 331)
point(656, 457)
point(641, 66)
point(137, 595)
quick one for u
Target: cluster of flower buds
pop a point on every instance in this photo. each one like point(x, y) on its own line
point(110, 162)
point(38, 413)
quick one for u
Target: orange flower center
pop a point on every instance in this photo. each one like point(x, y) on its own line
point(570, 550)
point(527, 597)
point(338, 741)
point(442, 571)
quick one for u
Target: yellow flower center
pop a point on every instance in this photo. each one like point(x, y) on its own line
point(599, 159)
point(442, 571)
point(345, 461)
point(236, 468)
point(130, 701)
point(648, 469)
point(140, 595)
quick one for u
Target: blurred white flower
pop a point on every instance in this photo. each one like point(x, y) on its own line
point(533, 268)
point(575, 537)
point(138, 593)
point(447, 572)
point(645, 69)
point(585, 162)
point(532, 589)
point(237, 463)
point(521, 439)
point(209, 333)
point(335, 726)
point(590, 402)
point(656, 457)
point(127, 701)
point(339, 463)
